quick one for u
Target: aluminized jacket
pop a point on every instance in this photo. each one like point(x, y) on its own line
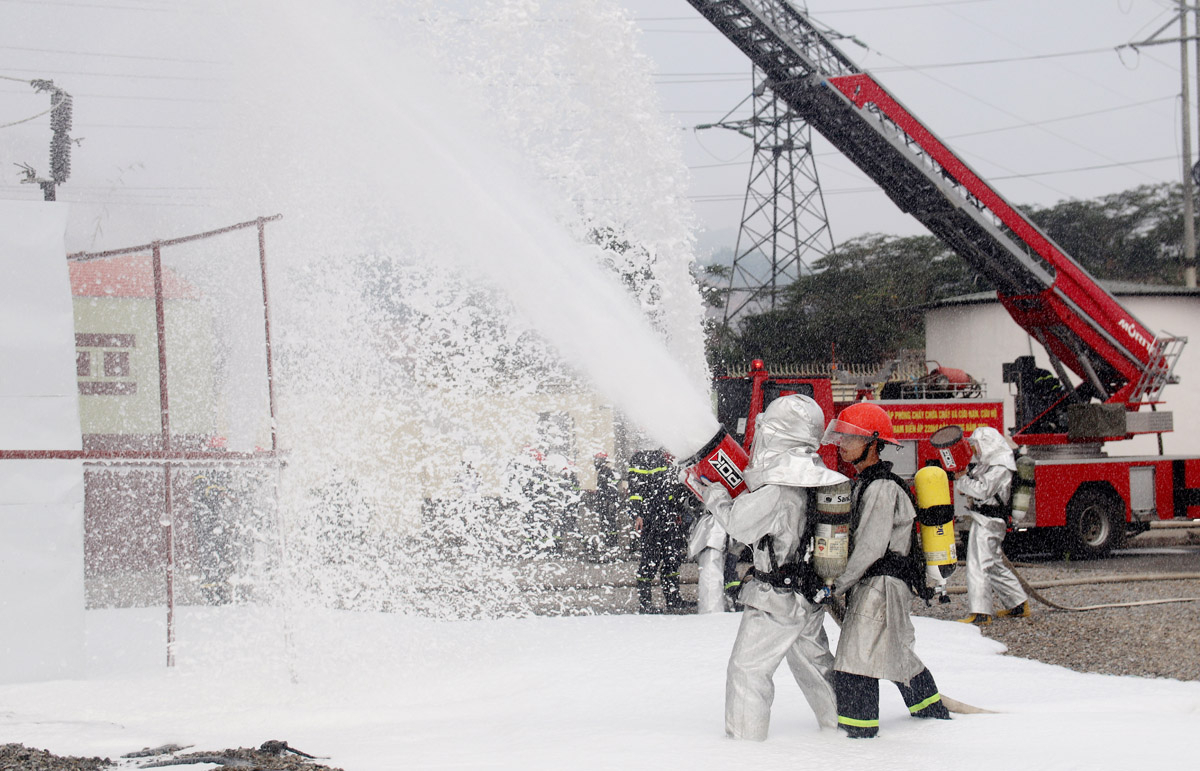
point(878, 639)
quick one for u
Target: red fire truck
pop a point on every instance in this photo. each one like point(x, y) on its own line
point(1109, 369)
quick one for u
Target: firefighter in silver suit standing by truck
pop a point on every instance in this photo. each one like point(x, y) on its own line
point(878, 640)
point(779, 621)
point(988, 487)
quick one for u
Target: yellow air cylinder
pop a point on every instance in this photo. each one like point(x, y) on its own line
point(935, 512)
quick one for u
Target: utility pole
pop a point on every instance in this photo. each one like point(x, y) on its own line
point(1190, 176)
point(1189, 217)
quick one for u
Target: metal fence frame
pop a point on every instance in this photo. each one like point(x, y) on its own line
point(168, 456)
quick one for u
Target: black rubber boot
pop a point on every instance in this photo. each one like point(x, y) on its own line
point(922, 697)
point(857, 704)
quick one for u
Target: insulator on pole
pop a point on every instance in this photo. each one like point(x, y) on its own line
point(60, 139)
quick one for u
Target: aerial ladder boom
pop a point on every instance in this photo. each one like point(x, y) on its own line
point(1082, 327)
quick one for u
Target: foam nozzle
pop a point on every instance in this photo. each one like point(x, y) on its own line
point(721, 460)
point(952, 448)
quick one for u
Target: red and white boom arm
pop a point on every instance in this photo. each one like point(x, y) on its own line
point(1050, 295)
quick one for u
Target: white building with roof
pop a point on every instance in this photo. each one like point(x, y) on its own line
point(975, 333)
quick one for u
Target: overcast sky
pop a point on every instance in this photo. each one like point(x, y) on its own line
point(1031, 93)
point(1053, 112)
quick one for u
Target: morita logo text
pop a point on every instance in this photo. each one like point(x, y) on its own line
point(1134, 334)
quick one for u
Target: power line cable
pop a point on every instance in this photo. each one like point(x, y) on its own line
point(94, 74)
point(722, 77)
point(905, 7)
point(1117, 164)
point(61, 4)
point(999, 60)
point(722, 197)
point(26, 120)
point(999, 129)
point(147, 127)
point(144, 98)
point(106, 55)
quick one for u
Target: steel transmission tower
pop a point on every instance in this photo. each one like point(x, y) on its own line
point(784, 225)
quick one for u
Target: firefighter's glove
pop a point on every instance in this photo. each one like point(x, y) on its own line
point(715, 496)
point(695, 482)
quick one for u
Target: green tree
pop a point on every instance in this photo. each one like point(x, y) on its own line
point(862, 303)
point(865, 301)
point(1133, 235)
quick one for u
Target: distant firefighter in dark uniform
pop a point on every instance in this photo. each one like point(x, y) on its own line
point(655, 502)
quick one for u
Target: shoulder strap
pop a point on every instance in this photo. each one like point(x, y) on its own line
point(768, 542)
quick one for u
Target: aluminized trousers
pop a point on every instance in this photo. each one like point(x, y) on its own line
point(986, 571)
point(710, 588)
point(764, 640)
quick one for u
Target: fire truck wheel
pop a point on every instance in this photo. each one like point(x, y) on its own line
point(1095, 524)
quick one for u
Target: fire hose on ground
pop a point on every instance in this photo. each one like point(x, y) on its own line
point(1031, 588)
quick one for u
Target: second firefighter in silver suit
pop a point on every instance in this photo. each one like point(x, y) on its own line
point(987, 487)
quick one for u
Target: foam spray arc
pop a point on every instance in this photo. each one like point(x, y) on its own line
point(555, 283)
point(400, 174)
point(426, 173)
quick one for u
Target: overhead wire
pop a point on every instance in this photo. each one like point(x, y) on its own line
point(122, 76)
point(998, 60)
point(1030, 124)
point(175, 8)
point(872, 188)
point(1059, 119)
point(906, 67)
point(26, 120)
point(31, 117)
point(905, 7)
point(901, 66)
point(109, 55)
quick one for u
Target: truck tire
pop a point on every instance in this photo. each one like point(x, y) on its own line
point(1095, 523)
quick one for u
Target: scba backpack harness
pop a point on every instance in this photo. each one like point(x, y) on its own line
point(909, 568)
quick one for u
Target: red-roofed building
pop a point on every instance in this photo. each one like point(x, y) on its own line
point(116, 350)
point(128, 276)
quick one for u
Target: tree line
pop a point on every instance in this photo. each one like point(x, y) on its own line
point(865, 301)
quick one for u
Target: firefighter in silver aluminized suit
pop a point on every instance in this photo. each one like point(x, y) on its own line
point(779, 621)
point(878, 640)
point(987, 487)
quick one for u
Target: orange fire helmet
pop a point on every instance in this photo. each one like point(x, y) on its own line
point(863, 419)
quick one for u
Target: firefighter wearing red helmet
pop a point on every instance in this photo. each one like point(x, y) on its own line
point(877, 640)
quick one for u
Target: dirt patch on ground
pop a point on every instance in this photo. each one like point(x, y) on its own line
point(271, 756)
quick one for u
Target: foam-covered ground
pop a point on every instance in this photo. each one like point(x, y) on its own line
point(375, 691)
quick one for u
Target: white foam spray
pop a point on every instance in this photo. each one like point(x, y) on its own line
point(426, 231)
point(383, 156)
